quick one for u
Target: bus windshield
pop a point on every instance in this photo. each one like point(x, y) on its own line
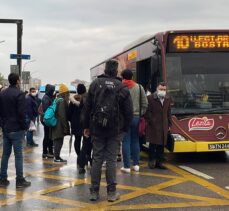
point(198, 82)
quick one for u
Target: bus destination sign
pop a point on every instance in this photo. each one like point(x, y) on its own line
point(202, 42)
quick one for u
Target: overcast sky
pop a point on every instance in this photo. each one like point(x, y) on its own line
point(67, 37)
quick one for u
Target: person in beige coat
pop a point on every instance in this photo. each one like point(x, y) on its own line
point(62, 128)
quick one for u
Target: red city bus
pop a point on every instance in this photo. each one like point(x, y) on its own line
point(195, 65)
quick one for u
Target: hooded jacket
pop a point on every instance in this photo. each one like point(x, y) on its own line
point(48, 97)
point(13, 110)
point(125, 107)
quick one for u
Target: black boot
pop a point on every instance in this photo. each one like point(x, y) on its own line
point(159, 165)
point(151, 164)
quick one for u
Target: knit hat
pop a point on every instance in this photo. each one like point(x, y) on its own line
point(63, 89)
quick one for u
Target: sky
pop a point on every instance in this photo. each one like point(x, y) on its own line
point(65, 38)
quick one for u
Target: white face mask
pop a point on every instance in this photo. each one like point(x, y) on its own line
point(34, 94)
point(161, 93)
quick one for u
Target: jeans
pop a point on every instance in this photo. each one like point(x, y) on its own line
point(156, 152)
point(130, 144)
point(15, 140)
point(29, 137)
point(104, 149)
point(47, 142)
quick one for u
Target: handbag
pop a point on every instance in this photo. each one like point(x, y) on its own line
point(32, 126)
point(142, 122)
point(170, 142)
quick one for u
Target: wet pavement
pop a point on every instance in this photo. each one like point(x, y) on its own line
point(60, 187)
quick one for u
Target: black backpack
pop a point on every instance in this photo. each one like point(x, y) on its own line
point(106, 105)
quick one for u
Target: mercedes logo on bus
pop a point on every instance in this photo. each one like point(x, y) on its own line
point(220, 132)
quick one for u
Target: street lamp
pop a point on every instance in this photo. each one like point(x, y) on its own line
point(27, 63)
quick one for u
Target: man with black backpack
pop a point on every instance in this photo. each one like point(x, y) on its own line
point(108, 113)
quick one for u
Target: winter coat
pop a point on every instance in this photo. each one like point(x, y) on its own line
point(158, 120)
point(13, 109)
point(31, 107)
point(62, 128)
point(74, 112)
point(125, 114)
point(48, 97)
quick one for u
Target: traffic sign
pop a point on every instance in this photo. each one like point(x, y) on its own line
point(20, 56)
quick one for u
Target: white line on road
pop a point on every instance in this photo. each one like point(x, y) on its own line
point(198, 173)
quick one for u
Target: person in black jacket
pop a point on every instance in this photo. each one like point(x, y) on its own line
point(13, 115)
point(31, 115)
point(106, 127)
point(46, 102)
point(83, 150)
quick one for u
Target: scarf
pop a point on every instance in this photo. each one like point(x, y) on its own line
point(129, 83)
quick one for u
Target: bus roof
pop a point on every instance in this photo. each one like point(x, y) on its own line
point(147, 38)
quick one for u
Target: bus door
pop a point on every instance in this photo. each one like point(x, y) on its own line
point(149, 72)
point(144, 72)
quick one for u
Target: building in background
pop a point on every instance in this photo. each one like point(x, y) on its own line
point(78, 81)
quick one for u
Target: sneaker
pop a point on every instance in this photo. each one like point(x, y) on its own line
point(22, 183)
point(125, 170)
point(50, 155)
point(45, 156)
point(82, 171)
point(136, 168)
point(4, 182)
point(113, 196)
point(94, 196)
point(32, 145)
point(59, 160)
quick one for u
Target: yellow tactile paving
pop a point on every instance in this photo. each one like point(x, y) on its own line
point(179, 176)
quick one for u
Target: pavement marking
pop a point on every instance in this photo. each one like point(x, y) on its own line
point(181, 176)
point(198, 173)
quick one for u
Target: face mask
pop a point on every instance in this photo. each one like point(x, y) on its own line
point(34, 94)
point(161, 94)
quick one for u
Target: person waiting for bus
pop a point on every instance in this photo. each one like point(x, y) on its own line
point(158, 123)
point(62, 128)
point(45, 103)
point(31, 115)
point(74, 116)
point(130, 143)
point(107, 114)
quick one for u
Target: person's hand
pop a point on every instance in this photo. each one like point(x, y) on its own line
point(86, 132)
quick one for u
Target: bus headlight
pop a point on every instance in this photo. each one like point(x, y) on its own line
point(178, 137)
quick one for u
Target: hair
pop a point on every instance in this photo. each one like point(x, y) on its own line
point(127, 74)
point(161, 83)
point(13, 78)
point(32, 89)
point(111, 68)
point(81, 89)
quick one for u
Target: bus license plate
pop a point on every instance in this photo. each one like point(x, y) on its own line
point(218, 146)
